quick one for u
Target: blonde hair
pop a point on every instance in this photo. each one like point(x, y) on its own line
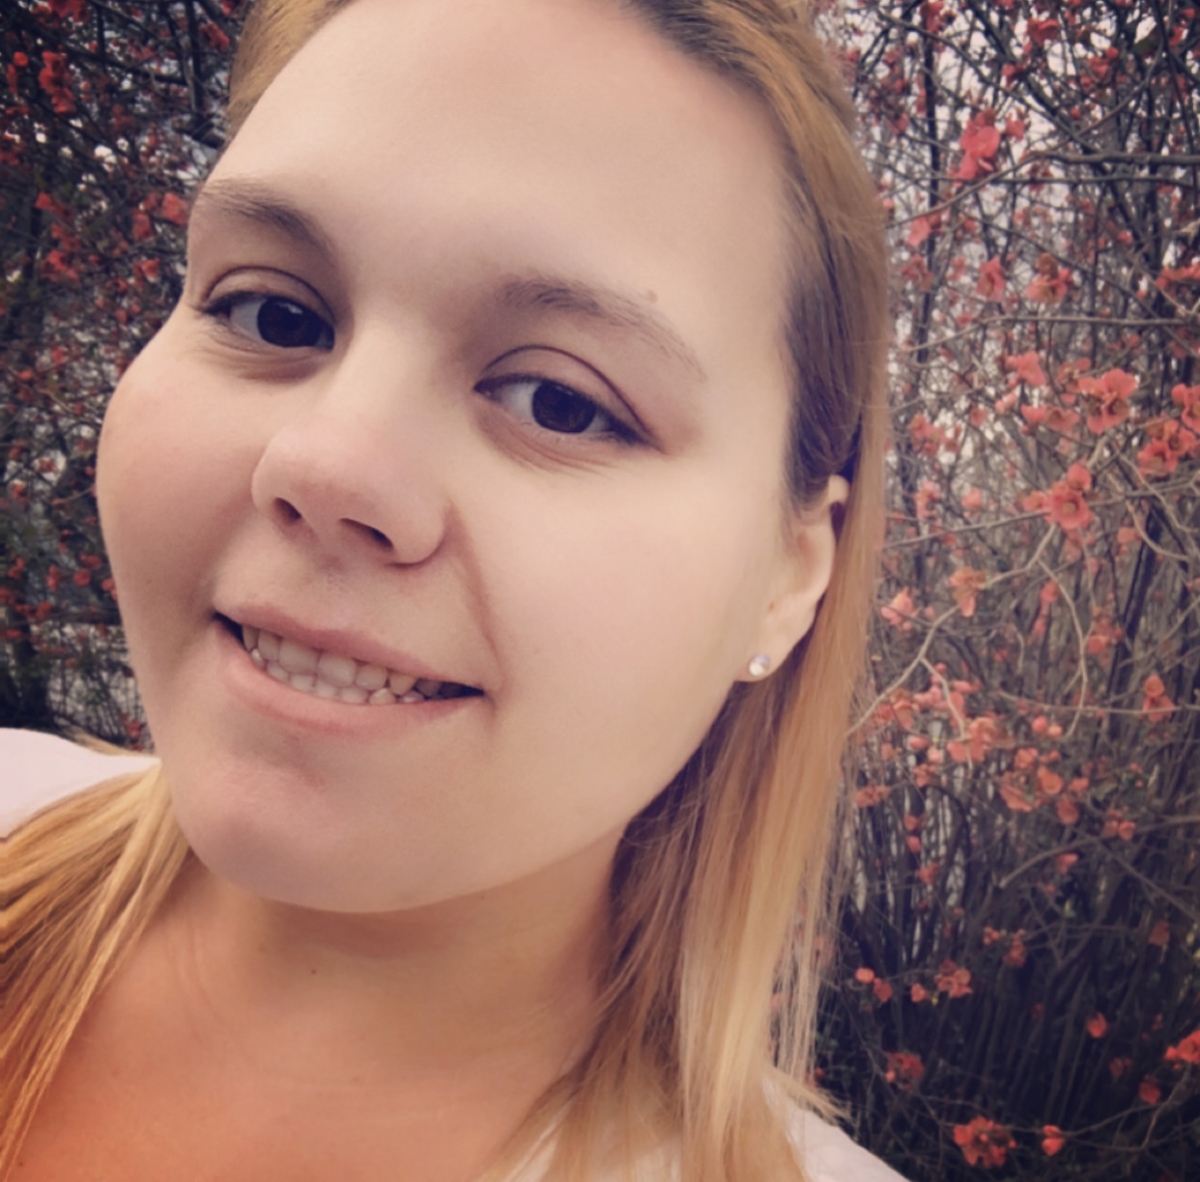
point(720, 886)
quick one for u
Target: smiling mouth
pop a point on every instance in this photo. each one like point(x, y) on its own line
point(335, 677)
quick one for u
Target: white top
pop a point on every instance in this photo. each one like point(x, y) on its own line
point(38, 769)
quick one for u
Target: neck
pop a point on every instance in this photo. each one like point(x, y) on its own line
point(502, 980)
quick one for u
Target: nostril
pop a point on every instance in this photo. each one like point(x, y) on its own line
point(376, 536)
point(287, 511)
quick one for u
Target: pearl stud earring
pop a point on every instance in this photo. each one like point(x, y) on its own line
point(760, 665)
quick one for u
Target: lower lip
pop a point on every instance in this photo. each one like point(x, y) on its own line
point(254, 688)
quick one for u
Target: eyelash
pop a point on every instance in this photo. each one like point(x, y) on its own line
point(611, 428)
point(224, 307)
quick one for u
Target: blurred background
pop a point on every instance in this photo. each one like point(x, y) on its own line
point(1014, 990)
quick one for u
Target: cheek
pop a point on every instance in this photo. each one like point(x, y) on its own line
point(626, 621)
point(166, 487)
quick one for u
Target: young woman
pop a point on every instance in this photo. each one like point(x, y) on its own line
point(494, 523)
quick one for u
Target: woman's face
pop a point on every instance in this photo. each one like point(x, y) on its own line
point(478, 379)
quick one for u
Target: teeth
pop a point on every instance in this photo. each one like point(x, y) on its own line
point(334, 677)
point(372, 677)
point(400, 683)
point(297, 658)
point(336, 670)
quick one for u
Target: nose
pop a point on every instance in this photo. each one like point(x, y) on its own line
point(353, 477)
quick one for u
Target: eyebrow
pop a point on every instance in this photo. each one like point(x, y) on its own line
point(258, 202)
point(601, 304)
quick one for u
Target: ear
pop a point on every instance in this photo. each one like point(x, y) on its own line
point(805, 568)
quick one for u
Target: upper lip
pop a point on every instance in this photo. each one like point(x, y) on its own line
point(343, 642)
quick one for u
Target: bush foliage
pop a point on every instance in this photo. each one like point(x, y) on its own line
point(1016, 986)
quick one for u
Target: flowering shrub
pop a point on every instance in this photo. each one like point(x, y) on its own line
point(1022, 855)
point(108, 112)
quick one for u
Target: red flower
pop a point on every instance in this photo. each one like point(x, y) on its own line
point(980, 141)
point(981, 137)
point(1067, 810)
point(1096, 1025)
point(1189, 398)
point(1169, 442)
point(1149, 1092)
point(900, 610)
point(1103, 634)
point(871, 795)
point(921, 228)
point(904, 1068)
point(1078, 477)
point(919, 993)
point(1041, 30)
point(1109, 397)
point(1014, 795)
point(1061, 420)
point(1027, 367)
point(58, 268)
point(141, 225)
point(1115, 825)
point(965, 584)
point(1066, 507)
point(215, 36)
point(1052, 1139)
point(1017, 953)
point(983, 1142)
point(882, 990)
point(1155, 702)
point(55, 82)
point(1051, 283)
point(952, 979)
point(992, 281)
point(1187, 1051)
point(174, 209)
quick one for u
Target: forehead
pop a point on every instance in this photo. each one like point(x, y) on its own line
point(562, 135)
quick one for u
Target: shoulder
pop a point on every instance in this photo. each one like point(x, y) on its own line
point(829, 1155)
point(38, 769)
point(826, 1153)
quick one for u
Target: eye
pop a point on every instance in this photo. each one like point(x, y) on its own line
point(273, 320)
point(554, 407)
